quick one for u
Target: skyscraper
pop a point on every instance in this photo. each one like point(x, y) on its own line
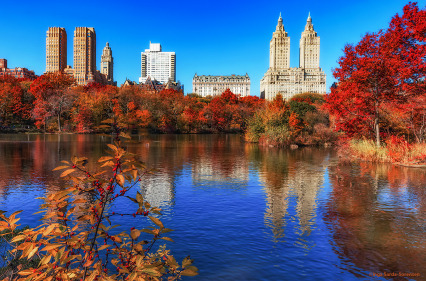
point(309, 47)
point(279, 48)
point(289, 81)
point(56, 49)
point(84, 55)
point(107, 64)
point(158, 65)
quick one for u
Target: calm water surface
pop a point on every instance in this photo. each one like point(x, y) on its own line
point(249, 213)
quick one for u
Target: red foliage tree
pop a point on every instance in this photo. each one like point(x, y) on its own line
point(15, 103)
point(384, 68)
point(52, 97)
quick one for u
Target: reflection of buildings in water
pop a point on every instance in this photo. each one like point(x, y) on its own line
point(158, 189)
point(277, 204)
point(305, 182)
point(283, 177)
point(205, 170)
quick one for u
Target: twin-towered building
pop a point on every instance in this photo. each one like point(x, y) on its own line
point(84, 70)
point(280, 77)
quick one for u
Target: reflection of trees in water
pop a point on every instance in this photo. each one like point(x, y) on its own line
point(29, 159)
point(210, 157)
point(377, 216)
point(287, 173)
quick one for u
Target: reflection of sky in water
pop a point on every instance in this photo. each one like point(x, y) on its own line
point(389, 199)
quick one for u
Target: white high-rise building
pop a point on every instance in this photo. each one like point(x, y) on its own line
point(157, 65)
point(289, 81)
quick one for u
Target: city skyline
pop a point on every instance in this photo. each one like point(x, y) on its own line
point(207, 39)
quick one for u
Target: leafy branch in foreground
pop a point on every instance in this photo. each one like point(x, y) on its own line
point(77, 240)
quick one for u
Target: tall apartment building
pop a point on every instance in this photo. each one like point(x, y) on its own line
point(157, 65)
point(84, 55)
point(107, 65)
point(56, 49)
point(207, 85)
point(289, 81)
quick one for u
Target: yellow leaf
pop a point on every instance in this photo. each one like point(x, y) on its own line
point(49, 229)
point(32, 252)
point(151, 271)
point(60, 168)
point(105, 158)
point(134, 174)
point(92, 276)
point(188, 272)
point(116, 239)
point(120, 180)
point(45, 260)
point(109, 163)
point(139, 197)
point(125, 135)
point(167, 239)
point(25, 272)
point(135, 234)
point(12, 216)
point(67, 172)
point(113, 147)
point(165, 230)
point(156, 221)
point(18, 238)
point(103, 247)
point(51, 247)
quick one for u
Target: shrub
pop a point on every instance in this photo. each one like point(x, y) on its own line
point(76, 240)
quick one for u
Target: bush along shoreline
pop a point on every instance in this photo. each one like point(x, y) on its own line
point(396, 151)
point(300, 122)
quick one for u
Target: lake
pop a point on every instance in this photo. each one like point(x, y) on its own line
point(245, 212)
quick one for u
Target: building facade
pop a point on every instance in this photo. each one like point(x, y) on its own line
point(208, 85)
point(107, 65)
point(17, 72)
point(281, 78)
point(84, 55)
point(56, 49)
point(158, 65)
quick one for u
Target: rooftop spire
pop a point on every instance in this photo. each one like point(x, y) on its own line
point(280, 25)
point(309, 25)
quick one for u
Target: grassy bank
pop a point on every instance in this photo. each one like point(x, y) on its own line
point(393, 151)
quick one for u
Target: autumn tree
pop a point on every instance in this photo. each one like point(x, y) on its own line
point(15, 101)
point(384, 68)
point(52, 97)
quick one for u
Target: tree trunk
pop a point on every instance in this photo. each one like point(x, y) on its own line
point(376, 125)
point(377, 129)
point(59, 122)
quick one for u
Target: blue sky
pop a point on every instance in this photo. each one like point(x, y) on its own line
point(209, 37)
